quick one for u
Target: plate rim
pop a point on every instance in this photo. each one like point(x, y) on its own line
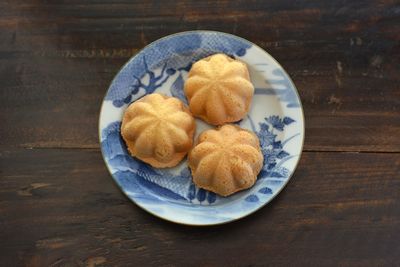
point(244, 214)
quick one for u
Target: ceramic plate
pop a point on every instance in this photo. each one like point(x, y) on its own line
point(276, 116)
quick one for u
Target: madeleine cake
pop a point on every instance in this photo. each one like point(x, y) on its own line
point(219, 89)
point(226, 160)
point(158, 130)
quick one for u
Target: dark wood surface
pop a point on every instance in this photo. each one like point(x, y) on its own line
point(60, 207)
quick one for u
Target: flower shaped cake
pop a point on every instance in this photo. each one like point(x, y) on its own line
point(158, 130)
point(219, 89)
point(226, 160)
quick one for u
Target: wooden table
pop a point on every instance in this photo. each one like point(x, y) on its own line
point(60, 207)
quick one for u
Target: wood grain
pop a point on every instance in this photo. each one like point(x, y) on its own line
point(61, 208)
point(58, 58)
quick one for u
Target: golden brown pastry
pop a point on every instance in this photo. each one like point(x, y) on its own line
point(219, 89)
point(158, 130)
point(226, 160)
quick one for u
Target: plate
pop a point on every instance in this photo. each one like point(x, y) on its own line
point(276, 116)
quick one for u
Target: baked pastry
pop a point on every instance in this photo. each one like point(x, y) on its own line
point(219, 89)
point(158, 130)
point(226, 160)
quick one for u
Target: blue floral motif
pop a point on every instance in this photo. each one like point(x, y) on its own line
point(287, 120)
point(276, 122)
point(279, 123)
point(282, 154)
point(272, 148)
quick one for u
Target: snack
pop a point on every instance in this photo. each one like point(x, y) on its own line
point(219, 89)
point(226, 160)
point(158, 130)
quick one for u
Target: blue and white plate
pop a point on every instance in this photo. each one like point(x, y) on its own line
point(276, 116)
